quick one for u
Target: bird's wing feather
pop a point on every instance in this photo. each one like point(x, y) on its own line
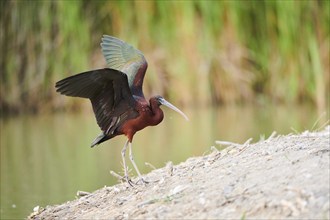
point(125, 58)
point(109, 93)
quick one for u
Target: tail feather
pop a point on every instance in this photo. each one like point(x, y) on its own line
point(99, 139)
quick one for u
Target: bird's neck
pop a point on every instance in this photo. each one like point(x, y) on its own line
point(158, 114)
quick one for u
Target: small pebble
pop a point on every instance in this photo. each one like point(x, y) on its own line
point(178, 189)
point(115, 189)
point(36, 209)
point(202, 201)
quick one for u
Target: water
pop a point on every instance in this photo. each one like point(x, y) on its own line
point(47, 159)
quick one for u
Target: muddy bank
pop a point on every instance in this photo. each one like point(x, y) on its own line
point(280, 177)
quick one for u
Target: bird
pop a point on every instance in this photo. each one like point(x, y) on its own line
point(116, 95)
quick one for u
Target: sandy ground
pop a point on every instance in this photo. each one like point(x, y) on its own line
point(277, 178)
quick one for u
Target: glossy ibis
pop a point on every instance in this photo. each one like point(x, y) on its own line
point(116, 95)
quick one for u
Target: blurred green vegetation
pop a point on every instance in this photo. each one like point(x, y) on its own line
point(199, 52)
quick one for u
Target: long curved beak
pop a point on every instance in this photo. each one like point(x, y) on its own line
point(166, 103)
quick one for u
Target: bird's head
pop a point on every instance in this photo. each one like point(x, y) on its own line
point(161, 101)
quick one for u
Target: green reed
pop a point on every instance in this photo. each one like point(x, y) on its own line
point(199, 52)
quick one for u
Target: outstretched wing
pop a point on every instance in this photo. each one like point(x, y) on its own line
point(109, 93)
point(125, 58)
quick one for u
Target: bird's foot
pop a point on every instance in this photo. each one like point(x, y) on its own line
point(129, 181)
point(133, 184)
point(142, 181)
point(123, 178)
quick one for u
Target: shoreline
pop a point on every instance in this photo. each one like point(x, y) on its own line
point(284, 176)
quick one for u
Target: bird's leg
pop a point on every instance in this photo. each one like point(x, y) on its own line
point(123, 152)
point(134, 165)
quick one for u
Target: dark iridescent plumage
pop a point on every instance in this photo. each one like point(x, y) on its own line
point(111, 98)
point(116, 94)
point(125, 58)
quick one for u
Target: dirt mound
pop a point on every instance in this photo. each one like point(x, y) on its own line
point(281, 177)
